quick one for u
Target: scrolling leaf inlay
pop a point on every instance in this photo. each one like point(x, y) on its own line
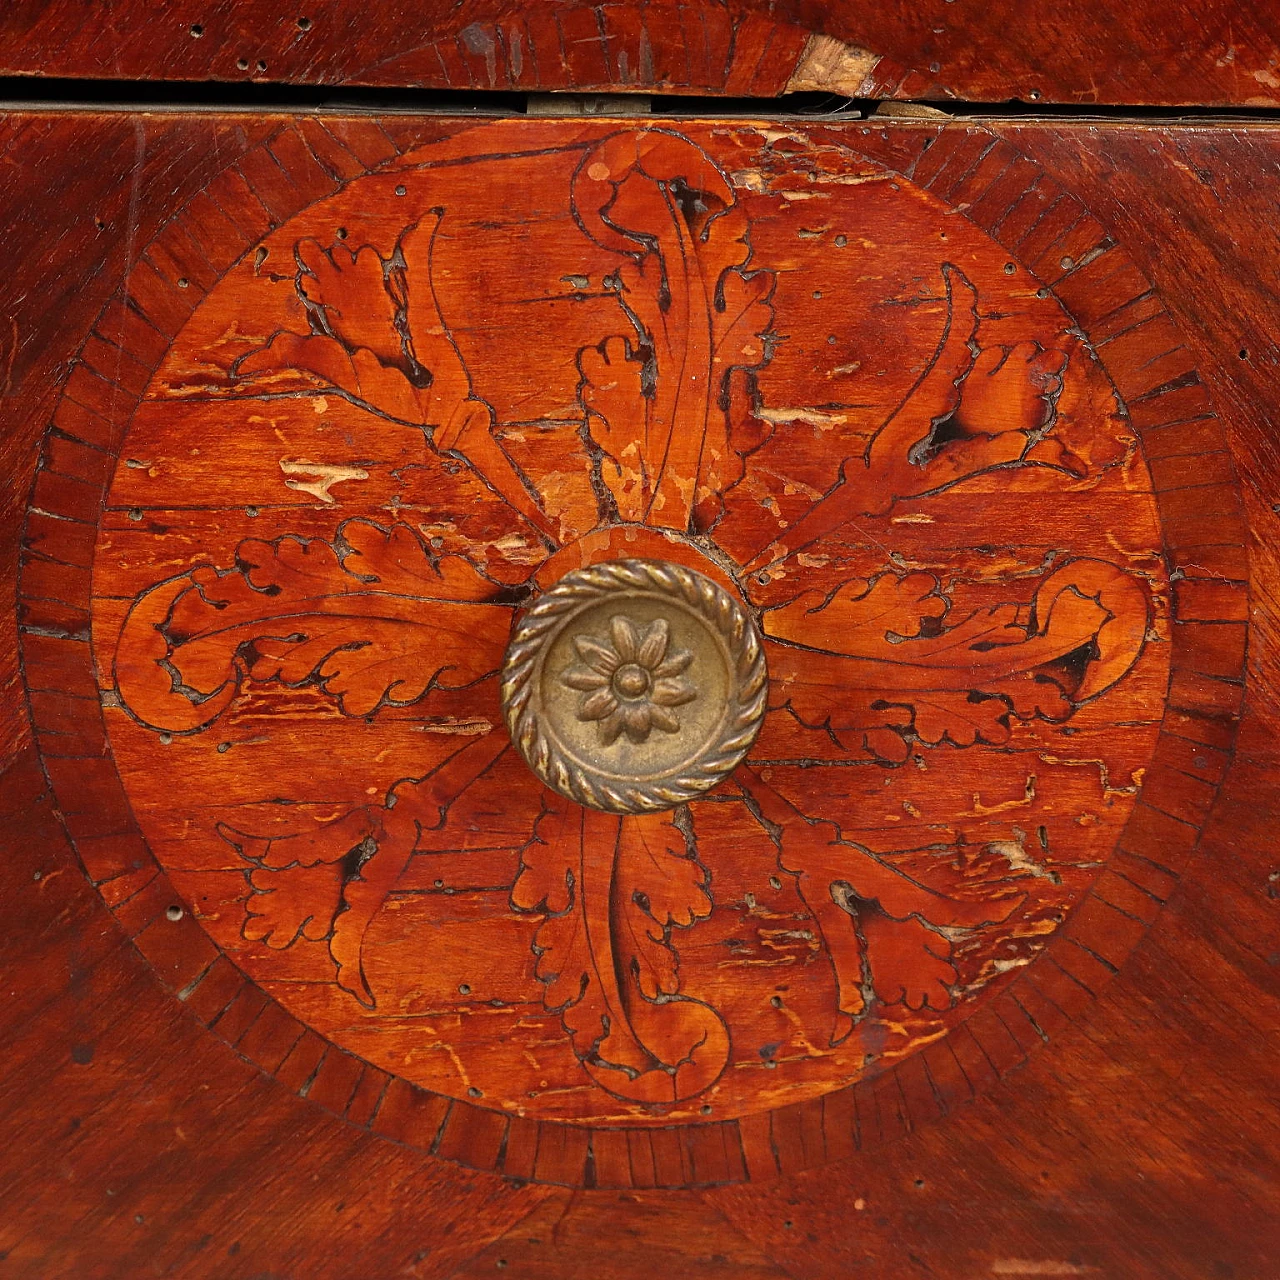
point(879, 661)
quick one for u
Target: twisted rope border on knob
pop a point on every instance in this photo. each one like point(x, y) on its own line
point(708, 599)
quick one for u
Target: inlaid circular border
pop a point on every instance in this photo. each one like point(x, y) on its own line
point(1204, 535)
point(544, 619)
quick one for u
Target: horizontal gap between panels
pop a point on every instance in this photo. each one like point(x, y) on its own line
point(23, 93)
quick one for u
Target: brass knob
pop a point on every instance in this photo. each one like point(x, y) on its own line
point(634, 685)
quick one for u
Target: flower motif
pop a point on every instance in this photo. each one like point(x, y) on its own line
point(628, 682)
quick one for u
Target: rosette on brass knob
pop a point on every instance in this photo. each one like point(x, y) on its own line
point(634, 685)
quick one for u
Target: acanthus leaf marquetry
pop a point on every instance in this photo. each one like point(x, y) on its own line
point(610, 889)
point(789, 368)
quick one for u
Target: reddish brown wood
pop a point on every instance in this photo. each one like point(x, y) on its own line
point(277, 897)
point(1214, 52)
point(1144, 1081)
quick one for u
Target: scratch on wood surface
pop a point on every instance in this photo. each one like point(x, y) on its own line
point(7, 384)
point(319, 478)
point(454, 725)
point(979, 809)
point(851, 179)
point(1038, 1267)
point(1014, 852)
point(1104, 774)
point(823, 418)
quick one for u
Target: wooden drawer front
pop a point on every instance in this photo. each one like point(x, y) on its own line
point(375, 385)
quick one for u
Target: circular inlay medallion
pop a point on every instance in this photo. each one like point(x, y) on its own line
point(586, 429)
point(634, 685)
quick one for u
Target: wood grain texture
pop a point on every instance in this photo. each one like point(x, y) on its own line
point(891, 899)
point(1130, 1091)
point(1210, 53)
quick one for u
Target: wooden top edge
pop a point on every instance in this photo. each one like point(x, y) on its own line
point(1083, 52)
